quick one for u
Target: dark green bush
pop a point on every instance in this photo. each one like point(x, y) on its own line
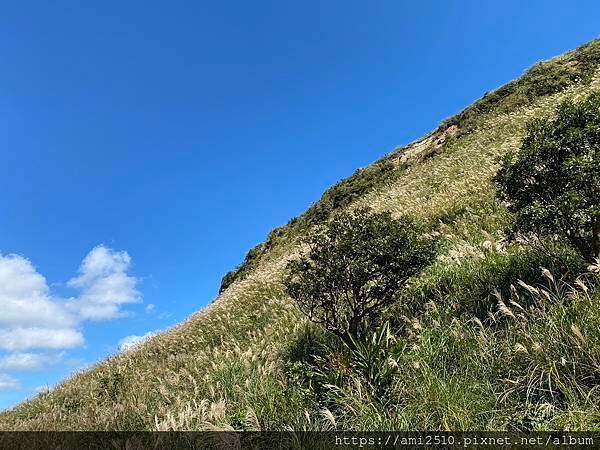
point(354, 267)
point(552, 185)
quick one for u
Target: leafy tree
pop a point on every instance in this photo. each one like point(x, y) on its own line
point(552, 184)
point(353, 267)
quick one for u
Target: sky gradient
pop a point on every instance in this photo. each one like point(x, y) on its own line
point(146, 146)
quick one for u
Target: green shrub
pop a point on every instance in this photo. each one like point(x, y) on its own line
point(552, 184)
point(353, 268)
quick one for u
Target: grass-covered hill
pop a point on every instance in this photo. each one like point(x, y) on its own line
point(482, 339)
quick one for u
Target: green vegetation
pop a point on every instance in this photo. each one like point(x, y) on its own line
point(494, 334)
point(354, 268)
point(552, 184)
point(545, 78)
point(336, 198)
point(523, 368)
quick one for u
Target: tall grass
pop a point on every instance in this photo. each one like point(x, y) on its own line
point(534, 367)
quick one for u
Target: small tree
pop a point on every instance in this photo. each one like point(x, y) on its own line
point(552, 184)
point(353, 267)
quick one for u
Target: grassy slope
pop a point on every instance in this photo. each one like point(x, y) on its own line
point(231, 364)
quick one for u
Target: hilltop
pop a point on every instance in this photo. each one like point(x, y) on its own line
point(251, 361)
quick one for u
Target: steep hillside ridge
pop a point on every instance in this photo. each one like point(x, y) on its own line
point(544, 78)
point(230, 365)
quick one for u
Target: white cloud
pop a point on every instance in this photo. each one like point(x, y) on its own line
point(105, 284)
point(28, 361)
point(129, 342)
point(25, 298)
point(150, 308)
point(31, 317)
point(26, 338)
point(8, 383)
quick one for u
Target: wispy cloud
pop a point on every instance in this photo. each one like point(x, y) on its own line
point(28, 338)
point(8, 383)
point(28, 361)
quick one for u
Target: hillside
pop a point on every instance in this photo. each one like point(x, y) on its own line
point(251, 361)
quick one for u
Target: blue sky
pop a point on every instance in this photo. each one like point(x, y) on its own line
point(146, 146)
